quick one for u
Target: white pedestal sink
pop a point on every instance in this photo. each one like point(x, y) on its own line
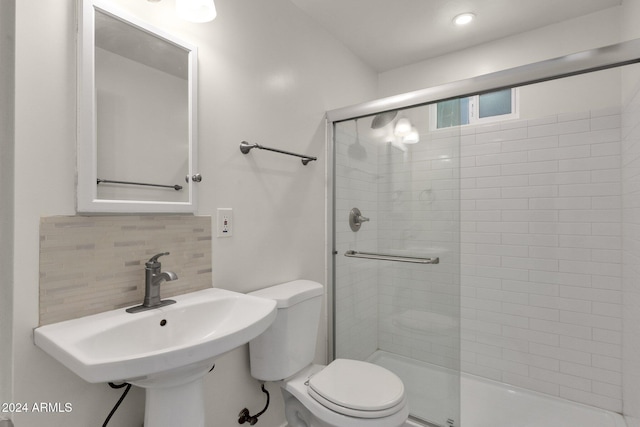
point(167, 350)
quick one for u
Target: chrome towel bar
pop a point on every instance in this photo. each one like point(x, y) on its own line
point(245, 147)
point(108, 181)
point(385, 257)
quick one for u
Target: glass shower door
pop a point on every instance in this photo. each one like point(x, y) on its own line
point(396, 245)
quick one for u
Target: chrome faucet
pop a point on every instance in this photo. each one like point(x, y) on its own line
point(153, 277)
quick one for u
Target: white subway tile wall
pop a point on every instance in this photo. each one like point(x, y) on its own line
point(631, 248)
point(538, 217)
point(413, 202)
point(91, 264)
point(419, 306)
point(541, 255)
point(356, 306)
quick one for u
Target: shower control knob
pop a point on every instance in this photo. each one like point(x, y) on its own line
point(356, 219)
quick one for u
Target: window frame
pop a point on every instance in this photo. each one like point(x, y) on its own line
point(474, 112)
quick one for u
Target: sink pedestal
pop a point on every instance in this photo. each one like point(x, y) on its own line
point(175, 406)
point(175, 398)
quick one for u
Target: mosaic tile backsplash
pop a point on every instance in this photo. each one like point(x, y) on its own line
point(93, 264)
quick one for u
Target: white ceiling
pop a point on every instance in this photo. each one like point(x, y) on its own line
point(387, 34)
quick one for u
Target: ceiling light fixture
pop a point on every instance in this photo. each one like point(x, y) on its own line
point(196, 10)
point(464, 18)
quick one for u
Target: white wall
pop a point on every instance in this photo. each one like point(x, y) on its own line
point(587, 32)
point(267, 75)
point(7, 37)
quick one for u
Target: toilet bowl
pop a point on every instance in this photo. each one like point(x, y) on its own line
point(345, 393)
point(382, 406)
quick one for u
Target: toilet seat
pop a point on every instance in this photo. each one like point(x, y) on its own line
point(357, 389)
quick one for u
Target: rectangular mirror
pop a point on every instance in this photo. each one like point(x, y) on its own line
point(136, 115)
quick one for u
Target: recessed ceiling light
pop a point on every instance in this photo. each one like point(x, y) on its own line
point(464, 18)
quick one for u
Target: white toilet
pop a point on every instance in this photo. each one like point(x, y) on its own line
point(345, 393)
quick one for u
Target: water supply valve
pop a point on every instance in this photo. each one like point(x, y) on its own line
point(245, 417)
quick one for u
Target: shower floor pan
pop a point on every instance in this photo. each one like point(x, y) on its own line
point(485, 403)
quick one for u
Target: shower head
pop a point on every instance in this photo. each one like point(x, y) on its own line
point(383, 119)
point(356, 150)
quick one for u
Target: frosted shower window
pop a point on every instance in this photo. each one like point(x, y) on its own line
point(454, 112)
point(495, 104)
point(477, 109)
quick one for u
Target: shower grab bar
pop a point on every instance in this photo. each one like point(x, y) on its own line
point(386, 257)
point(245, 147)
point(108, 181)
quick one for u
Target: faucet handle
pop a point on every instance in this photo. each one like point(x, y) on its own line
point(153, 261)
point(362, 219)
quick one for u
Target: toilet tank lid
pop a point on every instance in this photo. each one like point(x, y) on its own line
point(290, 293)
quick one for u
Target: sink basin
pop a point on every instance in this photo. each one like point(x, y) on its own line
point(168, 347)
point(117, 345)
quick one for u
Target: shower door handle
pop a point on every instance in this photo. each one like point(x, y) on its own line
point(386, 257)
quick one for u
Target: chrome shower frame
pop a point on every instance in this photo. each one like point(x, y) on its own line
point(601, 58)
point(617, 55)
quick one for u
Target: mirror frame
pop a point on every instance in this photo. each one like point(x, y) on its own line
point(87, 161)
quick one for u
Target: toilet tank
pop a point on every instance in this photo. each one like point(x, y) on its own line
point(290, 342)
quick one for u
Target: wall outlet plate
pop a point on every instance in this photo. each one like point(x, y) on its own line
point(224, 224)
